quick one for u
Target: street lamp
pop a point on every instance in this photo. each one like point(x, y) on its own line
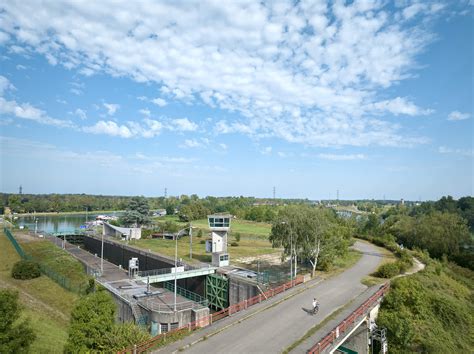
point(176, 262)
point(102, 251)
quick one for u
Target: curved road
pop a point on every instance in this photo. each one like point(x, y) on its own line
point(276, 328)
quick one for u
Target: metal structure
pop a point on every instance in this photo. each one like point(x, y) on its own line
point(186, 293)
point(167, 274)
point(217, 291)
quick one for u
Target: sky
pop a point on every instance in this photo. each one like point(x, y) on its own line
point(373, 99)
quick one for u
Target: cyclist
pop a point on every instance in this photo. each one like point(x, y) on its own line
point(315, 306)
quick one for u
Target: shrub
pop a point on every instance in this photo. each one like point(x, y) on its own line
point(202, 242)
point(199, 233)
point(234, 244)
point(388, 270)
point(237, 236)
point(26, 270)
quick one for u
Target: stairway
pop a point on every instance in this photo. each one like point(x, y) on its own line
point(140, 318)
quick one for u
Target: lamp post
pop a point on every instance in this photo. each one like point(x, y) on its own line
point(176, 262)
point(102, 251)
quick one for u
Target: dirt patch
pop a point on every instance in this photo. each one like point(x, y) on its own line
point(25, 237)
point(270, 259)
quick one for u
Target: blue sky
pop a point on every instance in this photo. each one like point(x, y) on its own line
point(223, 98)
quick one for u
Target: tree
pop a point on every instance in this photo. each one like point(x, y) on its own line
point(15, 337)
point(137, 212)
point(91, 320)
point(310, 234)
point(124, 335)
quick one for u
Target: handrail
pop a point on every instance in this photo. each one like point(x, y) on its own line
point(144, 346)
point(349, 320)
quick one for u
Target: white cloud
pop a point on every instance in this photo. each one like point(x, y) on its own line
point(80, 113)
point(342, 157)
point(223, 146)
point(25, 110)
point(148, 129)
point(184, 124)
point(398, 106)
point(266, 150)
point(309, 73)
point(159, 102)
point(21, 67)
point(111, 108)
point(145, 112)
point(461, 152)
point(195, 143)
point(456, 115)
point(5, 85)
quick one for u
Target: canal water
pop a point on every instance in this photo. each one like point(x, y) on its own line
point(59, 223)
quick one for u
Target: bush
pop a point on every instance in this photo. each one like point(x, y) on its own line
point(26, 270)
point(234, 244)
point(237, 236)
point(202, 242)
point(388, 270)
point(199, 233)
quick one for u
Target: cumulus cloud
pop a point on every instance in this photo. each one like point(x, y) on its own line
point(184, 124)
point(147, 129)
point(306, 72)
point(111, 108)
point(456, 115)
point(25, 110)
point(159, 102)
point(80, 113)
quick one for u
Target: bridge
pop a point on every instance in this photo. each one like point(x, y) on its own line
point(167, 274)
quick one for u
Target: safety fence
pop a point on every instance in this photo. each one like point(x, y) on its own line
point(349, 322)
point(50, 273)
point(208, 320)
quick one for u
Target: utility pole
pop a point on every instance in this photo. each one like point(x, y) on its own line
point(337, 195)
point(21, 190)
point(166, 192)
point(274, 190)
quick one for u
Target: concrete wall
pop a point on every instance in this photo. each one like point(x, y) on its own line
point(359, 340)
point(124, 312)
point(120, 254)
point(241, 289)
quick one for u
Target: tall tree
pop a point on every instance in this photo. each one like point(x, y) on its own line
point(137, 212)
point(15, 337)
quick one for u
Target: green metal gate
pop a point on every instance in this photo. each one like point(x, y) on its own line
point(217, 291)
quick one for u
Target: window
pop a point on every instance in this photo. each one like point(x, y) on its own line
point(163, 327)
point(174, 325)
point(224, 257)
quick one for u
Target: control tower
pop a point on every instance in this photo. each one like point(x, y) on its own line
point(219, 226)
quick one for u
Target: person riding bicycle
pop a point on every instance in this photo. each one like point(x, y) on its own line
point(315, 305)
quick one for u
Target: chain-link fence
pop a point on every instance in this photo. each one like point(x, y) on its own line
point(49, 272)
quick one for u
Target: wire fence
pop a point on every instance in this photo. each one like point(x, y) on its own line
point(48, 271)
point(208, 320)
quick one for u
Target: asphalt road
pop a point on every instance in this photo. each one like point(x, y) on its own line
point(273, 330)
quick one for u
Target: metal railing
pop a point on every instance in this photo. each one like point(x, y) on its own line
point(152, 305)
point(186, 293)
point(207, 320)
point(349, 321)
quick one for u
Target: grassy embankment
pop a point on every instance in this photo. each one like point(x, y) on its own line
point(45, 303)
point(431, 311)
point(253, 241)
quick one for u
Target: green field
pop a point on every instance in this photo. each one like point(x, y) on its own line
point(46, 304)
point(253, 241)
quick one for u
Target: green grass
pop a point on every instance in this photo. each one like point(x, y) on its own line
point(246, 248)
point(45, 303)
point(60, 261)
point(253, 241)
